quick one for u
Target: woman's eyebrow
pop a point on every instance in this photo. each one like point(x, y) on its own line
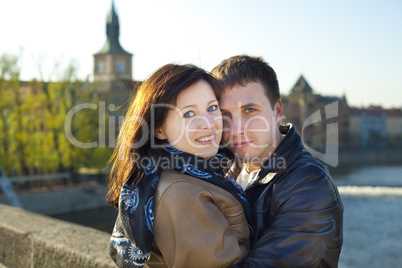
point(194, 105)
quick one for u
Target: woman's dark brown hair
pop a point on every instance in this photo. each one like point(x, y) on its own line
point(136, 137)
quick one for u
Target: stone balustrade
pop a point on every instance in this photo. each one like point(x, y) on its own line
point(33, 240)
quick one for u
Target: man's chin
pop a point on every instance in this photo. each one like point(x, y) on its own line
point(244, 157)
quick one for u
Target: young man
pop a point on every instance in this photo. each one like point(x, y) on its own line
point(296, 206)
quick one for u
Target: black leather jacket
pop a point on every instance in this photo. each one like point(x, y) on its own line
point(298, 214)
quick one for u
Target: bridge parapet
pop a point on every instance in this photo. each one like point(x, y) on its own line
point(33, 240)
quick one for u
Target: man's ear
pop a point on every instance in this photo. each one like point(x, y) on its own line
point(160, 134)
point(278, 110)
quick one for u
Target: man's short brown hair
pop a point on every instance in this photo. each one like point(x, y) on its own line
point(243, 69)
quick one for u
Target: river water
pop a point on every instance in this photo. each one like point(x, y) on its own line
point(372, 175)
point(372, 198)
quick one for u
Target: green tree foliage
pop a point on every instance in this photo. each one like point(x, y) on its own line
point(33, 119)
point(9, 75)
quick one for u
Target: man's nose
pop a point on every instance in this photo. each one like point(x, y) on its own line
point(236, 126)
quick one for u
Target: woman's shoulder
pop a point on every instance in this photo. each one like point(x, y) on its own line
point(170, 177)
point(172, 183)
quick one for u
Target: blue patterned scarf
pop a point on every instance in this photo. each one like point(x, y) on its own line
point(132, 236)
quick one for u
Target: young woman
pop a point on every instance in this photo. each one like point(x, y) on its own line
point(175, 207)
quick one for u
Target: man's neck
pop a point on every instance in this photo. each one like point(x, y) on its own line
point(250, 167)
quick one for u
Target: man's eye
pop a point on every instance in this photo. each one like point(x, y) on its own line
point(225, 115)
point(212, 108)
point(250, 110)
point(188, 114)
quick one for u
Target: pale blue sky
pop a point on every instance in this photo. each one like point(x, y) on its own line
point(351, 47)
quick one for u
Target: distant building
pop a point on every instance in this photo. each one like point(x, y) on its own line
point(312, 113)
point(375, 126)
point(113, 65)
point(394, 126)
point(372, 123)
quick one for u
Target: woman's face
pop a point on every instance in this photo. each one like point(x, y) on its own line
point(195, 125)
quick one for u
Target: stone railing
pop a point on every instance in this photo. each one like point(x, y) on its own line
point(32, 240)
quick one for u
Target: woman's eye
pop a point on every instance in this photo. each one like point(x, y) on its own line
point(188, 114)
point(250, 110)
point(212, 108)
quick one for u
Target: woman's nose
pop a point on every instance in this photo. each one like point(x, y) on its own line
point(205, 122)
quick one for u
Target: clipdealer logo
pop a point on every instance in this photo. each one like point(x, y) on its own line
point(331, 154)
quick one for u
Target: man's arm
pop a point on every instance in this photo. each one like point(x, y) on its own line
point(303, 224)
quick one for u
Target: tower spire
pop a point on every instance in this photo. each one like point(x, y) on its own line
point(112, 44)
point(112, 63)
point(301, 86)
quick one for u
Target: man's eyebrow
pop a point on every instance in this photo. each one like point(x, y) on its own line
point(247, 105)
point(250, 104)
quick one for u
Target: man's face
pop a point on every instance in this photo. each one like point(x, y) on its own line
point(250, 123)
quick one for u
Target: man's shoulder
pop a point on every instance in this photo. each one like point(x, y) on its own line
point(306, 169)
point(307, 164)
point(308, 182)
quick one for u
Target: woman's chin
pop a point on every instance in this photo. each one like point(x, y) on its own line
point(208, 152)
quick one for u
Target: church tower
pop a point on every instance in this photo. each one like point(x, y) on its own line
point(112, 64)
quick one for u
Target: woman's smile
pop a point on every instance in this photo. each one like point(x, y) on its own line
point(207, 139)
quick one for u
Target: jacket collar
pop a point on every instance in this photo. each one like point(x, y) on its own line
point(288, 150)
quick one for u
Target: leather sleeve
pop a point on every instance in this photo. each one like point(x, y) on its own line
point(191, 231)
point(304, 211)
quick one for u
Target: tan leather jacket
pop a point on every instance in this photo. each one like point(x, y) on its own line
point(197, 224)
